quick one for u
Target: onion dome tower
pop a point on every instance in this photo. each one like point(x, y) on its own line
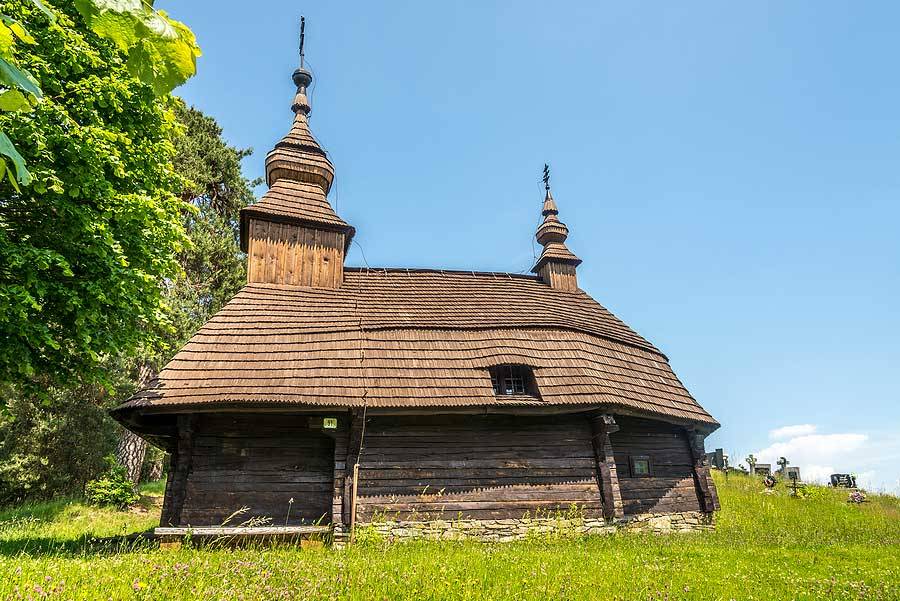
point(292, 235)
point(557, 263)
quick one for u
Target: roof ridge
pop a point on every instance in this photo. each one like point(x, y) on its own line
point(441, 271)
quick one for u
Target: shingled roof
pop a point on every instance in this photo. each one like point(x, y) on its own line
point(417, 338)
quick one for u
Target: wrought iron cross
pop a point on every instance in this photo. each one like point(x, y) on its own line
point(302, 38)
point(546, 177)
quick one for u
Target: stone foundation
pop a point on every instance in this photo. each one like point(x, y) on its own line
point(516, 529)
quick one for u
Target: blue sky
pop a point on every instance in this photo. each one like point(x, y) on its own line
point(729, 174)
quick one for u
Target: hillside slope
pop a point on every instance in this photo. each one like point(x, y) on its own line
point(765, 547)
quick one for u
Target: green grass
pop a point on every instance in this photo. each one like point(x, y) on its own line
point(765, 547)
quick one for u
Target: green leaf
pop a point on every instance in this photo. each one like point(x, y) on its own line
point(9, 150)
point(115, 20)
point(7, 39)
point(14, 77)
point(43, 8)
point(161, 51)
point(165, 62)
point(18, 29)
point(13, 100)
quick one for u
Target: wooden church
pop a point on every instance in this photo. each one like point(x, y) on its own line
point(339, 396)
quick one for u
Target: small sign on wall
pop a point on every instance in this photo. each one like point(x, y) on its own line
point(329, 423)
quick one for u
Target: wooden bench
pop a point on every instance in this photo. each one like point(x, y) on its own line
point(171, 537)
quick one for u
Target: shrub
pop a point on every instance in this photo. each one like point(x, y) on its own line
point(113, 488)
point(51, 448)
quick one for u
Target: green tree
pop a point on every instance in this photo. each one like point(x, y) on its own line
point(18, 91)
point(161, 52)
point(83, 250)
point(213, 268)
point(53, 446)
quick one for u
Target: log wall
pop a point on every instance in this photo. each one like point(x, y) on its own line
point(282, 253)
point(670, 488)
point(559, 275)
point(261, 462)
point(436, 467)
point(476, 467)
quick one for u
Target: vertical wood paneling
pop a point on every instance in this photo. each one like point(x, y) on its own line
point(280, 253)
point(561, 276)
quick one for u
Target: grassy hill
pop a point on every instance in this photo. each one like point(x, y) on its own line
point(765, 547)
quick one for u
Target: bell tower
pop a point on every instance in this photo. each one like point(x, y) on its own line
point(292, 235)
point(557, 264)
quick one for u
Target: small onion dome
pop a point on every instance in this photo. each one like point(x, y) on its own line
point(298, 156)
point(552, 229)
point(552, 234)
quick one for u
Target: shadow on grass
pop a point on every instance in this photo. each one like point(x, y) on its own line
point(44, 511)
point(79, 547)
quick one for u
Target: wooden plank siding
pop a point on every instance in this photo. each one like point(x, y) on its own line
point(284, 253)
point(423, 467)
point(561, 276)
point(476, 467)
point(261, 462)
point(670, 488)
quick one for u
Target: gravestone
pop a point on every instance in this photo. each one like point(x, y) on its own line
point(763, 469)
point(843, 480)
point(793, 473)
point(716, 459)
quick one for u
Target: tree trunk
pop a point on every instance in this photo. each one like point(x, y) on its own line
point(131, 448)
point(130, 453)
point(156, 469)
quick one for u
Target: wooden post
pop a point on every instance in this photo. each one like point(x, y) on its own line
point(706, 490)
point(353, 502)
point(339, 436)
point(350, 473)
point(602, 425)
point(176, 488)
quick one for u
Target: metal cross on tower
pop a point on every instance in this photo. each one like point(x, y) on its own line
point(302, 38)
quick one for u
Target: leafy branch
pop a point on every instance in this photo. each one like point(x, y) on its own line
point(20, 91)
point(160, 51)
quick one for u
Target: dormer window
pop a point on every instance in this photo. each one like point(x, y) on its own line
point(512, 379)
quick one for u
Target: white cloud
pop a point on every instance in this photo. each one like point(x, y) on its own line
point(818, 452)
point(873, 455)
point(792, 431)
point(873, 460)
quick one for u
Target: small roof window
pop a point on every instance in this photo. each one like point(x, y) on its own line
point(509, 380)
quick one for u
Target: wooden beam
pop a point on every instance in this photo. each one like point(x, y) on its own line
point(354, 445)
point(239, 530)
point(602, 425)
point(706, 489)
point(181, 463)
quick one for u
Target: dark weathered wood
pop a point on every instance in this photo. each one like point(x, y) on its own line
point(493, 466)
point(182, 461)
point(354, 442)
point(240, 531)
point(165, 517)
point(706, 489)
point(279, 467)
point(671, 487)
point(602, 425)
